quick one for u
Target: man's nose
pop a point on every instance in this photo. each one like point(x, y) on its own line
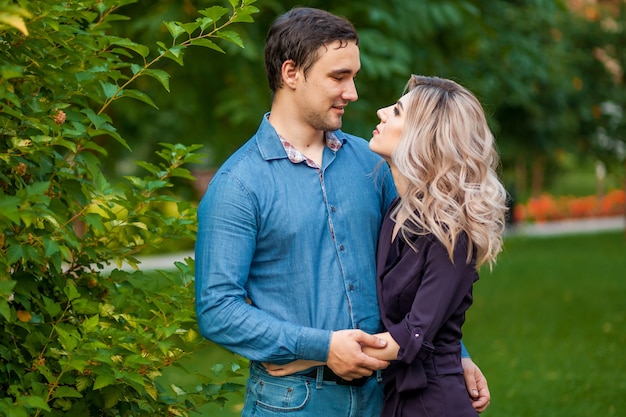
point(350, 93)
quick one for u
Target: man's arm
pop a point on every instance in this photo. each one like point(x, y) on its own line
point(346, 357)
point(225, 247)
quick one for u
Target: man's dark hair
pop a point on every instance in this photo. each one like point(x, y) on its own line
point(297, 35)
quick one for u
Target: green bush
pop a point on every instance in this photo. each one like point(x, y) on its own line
point(80, 338)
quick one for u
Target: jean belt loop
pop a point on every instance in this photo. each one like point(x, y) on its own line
point(379, 375)
point(319, 380)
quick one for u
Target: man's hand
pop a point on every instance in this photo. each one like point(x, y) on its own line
point(476, 384)
point(346, 357)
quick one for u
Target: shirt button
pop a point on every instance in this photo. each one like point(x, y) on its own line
point(417, 335)
point(351, 287)
point(341, 248)
point(332, 208)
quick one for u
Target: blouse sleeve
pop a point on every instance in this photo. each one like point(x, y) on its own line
point(443, 286)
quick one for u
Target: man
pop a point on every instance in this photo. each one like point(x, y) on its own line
point(287, 232)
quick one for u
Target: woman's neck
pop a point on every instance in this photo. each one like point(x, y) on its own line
point(399, 180)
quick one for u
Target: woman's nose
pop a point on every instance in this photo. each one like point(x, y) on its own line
point(381, 114)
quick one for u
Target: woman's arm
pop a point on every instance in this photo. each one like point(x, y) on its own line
point(290, 368)
point(388, 353)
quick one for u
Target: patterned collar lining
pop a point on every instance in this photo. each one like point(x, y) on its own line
point(296, 156)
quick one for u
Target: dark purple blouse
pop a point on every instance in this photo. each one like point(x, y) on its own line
point(423, 298)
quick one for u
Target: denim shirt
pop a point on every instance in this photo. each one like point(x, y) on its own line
point(285, 253)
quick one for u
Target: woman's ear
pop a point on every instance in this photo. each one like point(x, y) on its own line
point(289, 73)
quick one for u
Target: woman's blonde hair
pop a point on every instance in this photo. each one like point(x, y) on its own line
point(447, 158)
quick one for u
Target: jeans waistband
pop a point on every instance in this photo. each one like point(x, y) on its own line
point(329, 376)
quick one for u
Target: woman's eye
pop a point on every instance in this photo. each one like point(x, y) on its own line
point(396, 112)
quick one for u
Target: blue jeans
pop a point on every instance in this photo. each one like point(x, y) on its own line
point(300, 396)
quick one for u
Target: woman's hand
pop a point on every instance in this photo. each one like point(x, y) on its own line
point(290, 368)
point(476, 384)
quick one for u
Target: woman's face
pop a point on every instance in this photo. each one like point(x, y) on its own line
point(386, 136)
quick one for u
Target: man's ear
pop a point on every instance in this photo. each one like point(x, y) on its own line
point(289, 73)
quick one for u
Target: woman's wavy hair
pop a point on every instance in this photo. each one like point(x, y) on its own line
point(448, 159)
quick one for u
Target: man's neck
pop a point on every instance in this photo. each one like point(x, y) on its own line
point(302, 136)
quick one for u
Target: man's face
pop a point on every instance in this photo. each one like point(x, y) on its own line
point(329, 86)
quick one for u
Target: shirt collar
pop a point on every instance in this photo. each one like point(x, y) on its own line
point(271, 148)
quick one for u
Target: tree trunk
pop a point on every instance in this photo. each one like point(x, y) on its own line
point(520, 177)
point(537, 175)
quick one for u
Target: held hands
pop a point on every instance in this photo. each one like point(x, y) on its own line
point(345, 357)
point(476, 384)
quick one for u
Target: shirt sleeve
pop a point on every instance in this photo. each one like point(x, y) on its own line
point(443, 286)
point(227, 229)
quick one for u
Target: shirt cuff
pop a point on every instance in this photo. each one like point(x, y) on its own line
point(464, 352)
point(314, 344)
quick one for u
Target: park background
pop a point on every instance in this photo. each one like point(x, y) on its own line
point(85, 335)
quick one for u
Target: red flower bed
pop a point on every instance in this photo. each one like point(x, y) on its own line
point(547, 207)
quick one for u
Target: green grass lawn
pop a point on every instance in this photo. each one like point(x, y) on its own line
point(548, 328)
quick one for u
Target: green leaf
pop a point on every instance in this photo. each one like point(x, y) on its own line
point(11, 71)
point(110, 131)
point(98, 120)
point(95, 147)
point(66, 392)
point(214, 12)
point(162, 76)
point(182, 173)
point(69, 340)
point(110, 90)
point(76, 364)
point(231, 36)
point(33, 401)
point(207, 44)
point(177, 390)
point(9, 208)
point(152, 168)
point(52, 308)
point(14, 254)
point(244, 15)
point(90, 324)
point(5, 310)
point(133, 46)
point(82, 383)
point(174, 29)
point(190, 27)
point(6, 288)
point(70, 290)
point(175, 53)
point(139, 95)
point(102, 381)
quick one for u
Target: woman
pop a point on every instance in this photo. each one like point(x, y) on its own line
point(446, 223)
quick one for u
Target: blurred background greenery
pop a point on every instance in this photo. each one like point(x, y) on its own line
point(549, 73)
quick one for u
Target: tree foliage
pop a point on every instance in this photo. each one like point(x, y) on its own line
point(530, 62)
point(81, 335)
